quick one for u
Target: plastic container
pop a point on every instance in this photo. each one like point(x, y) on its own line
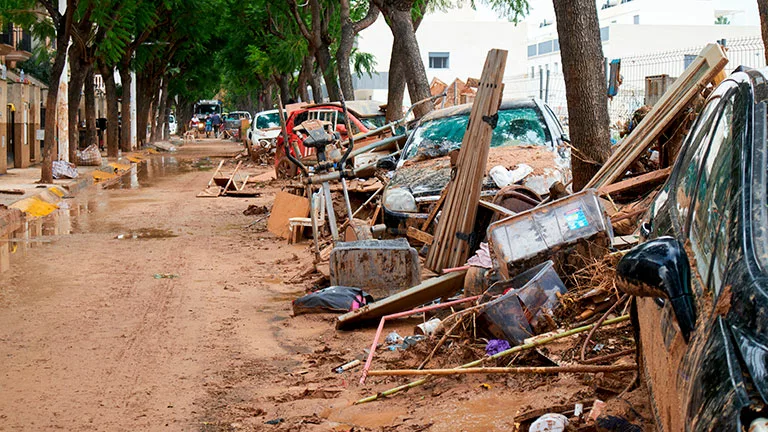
point(564, 230)
point(380, 267)
point(525, 306)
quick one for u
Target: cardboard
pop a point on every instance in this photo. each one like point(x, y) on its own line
point(286, 206)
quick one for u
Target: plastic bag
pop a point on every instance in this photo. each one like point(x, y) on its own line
point(62, 169)
point(91, 156)
point(332, 299)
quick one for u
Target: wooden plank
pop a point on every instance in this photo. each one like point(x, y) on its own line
point(497, 208)
point(704, 69)
point(435, 210)
point(653, 177)
point(286, 206)
point(419, 235)
point(427, 291)
point(451, 243)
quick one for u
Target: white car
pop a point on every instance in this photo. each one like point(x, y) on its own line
point(264, 127)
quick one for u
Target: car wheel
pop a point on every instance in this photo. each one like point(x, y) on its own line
point(285, 169)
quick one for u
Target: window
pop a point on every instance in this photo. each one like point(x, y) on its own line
point(636, 19)
point(605, 33)
point(556, 44)
point(713, 212)
point(532, 50)
point(438, 60)
point(545, 47)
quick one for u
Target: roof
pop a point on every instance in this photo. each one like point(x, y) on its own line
point(467, 108)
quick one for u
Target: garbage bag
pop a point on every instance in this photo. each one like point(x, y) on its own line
point(332, 299)
point(91, 156)
point(62, 169)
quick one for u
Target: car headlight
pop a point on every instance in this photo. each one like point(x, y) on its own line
point(400, 200)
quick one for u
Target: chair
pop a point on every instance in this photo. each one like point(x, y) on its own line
point(297, 224)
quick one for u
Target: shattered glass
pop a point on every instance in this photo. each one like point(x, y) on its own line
point(438, 137)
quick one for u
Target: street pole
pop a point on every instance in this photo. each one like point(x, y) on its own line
point(133, 111)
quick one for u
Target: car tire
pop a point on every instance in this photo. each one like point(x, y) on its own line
point(285, 169)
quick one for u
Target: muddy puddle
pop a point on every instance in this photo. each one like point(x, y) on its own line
point(83, 215)
point(153, 170)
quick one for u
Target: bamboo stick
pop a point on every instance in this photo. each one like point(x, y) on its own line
point(513, 350)
point(535, 370)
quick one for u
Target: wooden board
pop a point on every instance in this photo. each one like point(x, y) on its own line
point(651, 178)
point(286, 206)
point(427, 291)
point(707, 67)
point(454, 229)
point(419, 235)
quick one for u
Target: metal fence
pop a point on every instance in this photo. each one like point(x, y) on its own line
point(550, 85)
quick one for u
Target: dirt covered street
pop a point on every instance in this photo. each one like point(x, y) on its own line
point(142, 307)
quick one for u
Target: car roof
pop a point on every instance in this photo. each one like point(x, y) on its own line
point(360, 109)
point(506, 104)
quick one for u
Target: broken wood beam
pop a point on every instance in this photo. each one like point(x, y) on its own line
point(419, 235)
point(534, 370)
point(651, 178)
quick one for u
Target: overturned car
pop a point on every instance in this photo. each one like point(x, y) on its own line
point(528, 138)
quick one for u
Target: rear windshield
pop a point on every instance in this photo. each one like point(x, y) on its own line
point(517, 126)
point(374, 122)
point(268, 121)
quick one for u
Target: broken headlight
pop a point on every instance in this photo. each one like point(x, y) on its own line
point(400, 200)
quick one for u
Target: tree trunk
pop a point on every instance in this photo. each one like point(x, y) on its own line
point(396, 87)
point(162, 113)
point(125, 108)
point(304, 77)
point(349, 30)
point(90, 110)
point(323, 56)
point(113, 143)
point(146, 95)
point(49, 151)
point(78, 70)
point(269, 100)
point(410, 55)
point(316, 82)
point(762, 6)
point(585, 87)
point(284, 82)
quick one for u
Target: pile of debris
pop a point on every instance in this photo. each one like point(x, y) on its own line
point(530, 292)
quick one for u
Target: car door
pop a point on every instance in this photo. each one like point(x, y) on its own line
point(667, 356)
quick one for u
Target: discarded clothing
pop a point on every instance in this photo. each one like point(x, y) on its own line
point(496, 346)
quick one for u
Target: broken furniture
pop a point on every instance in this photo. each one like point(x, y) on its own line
point(224, 182)
point(297, 224)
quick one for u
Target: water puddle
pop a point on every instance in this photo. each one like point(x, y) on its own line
point(147, 234)
point(84, 214)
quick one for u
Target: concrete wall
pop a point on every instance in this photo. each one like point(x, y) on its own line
point(18, 95)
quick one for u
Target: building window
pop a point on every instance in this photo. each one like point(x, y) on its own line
point(545, 47)
point(531, 50)
point(438, 60)
point(636, 19)
point(556, 45)
point(604, 34)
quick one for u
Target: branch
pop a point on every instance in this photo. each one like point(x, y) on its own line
point(300, 22)
point(53, 11)
point(367, 20)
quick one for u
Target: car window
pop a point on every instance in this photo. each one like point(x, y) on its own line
point(374, 122)
point(688, 171)
point(718, 182)
point(760, 182)
point(267, 121)
point(517, 126)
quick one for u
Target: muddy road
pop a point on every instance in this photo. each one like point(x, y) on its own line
point(142, 307)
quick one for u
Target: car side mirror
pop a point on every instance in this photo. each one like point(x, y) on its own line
point(659, 268)
point(565, 138)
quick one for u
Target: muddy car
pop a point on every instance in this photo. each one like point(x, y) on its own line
point(527, 133)
point(700, 276)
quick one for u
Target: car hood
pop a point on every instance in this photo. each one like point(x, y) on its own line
point(266, 133)
point(429, 177)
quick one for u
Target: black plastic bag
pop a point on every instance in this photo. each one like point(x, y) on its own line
point(332, 299)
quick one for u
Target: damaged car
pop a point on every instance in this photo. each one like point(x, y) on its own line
point(700, 277)
point(527, 138)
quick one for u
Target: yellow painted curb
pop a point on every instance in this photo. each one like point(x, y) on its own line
point(41, 204)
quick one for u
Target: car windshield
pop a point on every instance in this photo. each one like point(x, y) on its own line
point(207, 109)
point(517, 126)
point(374, 122)
point(268, 121)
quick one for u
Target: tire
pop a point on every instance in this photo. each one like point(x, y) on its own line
point(285, 169)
